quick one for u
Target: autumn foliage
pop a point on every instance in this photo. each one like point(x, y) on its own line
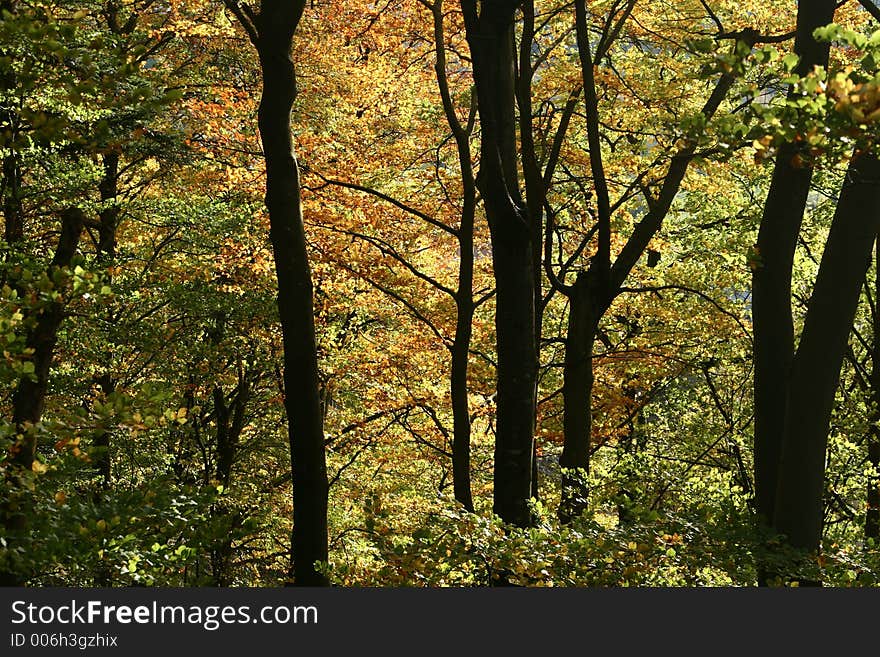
point(543, 287)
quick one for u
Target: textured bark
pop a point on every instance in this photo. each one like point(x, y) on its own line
point(275, 27)
point(816, 366)
point(771, 282)
point(490, 36)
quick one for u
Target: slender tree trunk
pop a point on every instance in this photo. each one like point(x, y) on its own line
point(584, 312)
point(577, 388)
point(13, 217)
point(771, 281)
point(107, 224)
point(461, 421)
point(872, 517)
point(491, 39)
point(816, 366)
point(464, 295)
point(536, 190)
point(109, 215)
point(275, 28)
point(229, 418)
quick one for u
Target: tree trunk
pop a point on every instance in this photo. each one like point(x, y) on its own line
point(29, 398)
point(13, 218)
point(604, 280)
point(491, 39)
point(536, 190)
point(106, 256)
point(577, 389)
point(771, 281)
point(30, 395)
point(13, 226)
point(872, 516)
point(461, 421)
point(816, 366)
point(230, 422)
point(276, 27)
point(517, 372)
point(464, 295)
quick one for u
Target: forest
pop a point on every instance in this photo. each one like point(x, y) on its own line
point(439, 293)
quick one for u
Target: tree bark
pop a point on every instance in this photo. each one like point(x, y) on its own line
point(13, 217)
point(275, 27)
point(816, 366)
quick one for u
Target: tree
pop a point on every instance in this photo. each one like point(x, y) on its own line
point(815, 368)
point(271, 31)
point(771, 286)
point(490, 34)
point(596, 286)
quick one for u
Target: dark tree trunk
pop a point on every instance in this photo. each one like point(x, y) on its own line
point(771, 281)
point(517, 372)
point(535, 186)
point(275, 27)
point(464, 295)
point(109, 215)
point(816, 366)
point(230, 422)
point(872, 516)
point(577, 389)
point(106, 256)
point(13, 217)
point(29, 397)
point(584, 311)
point(461, 421)
point(490, 36)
